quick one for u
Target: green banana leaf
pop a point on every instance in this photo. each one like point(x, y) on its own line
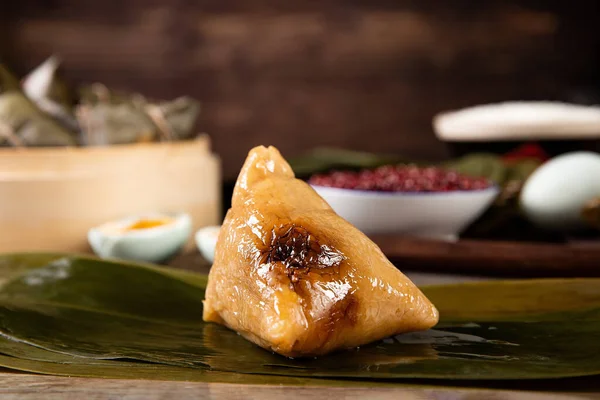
point(81, 312)
point(22, 357)
point(322, 159)
point(107, 369)
point(480, 164)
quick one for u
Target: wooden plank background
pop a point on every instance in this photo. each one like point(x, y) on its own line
point(355, 73)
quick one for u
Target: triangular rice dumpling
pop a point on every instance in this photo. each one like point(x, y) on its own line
point(294, 277)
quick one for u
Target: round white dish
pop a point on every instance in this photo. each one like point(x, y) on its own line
point(437, 215)
point(206, 241)
point(518, 120)
point(154, 245)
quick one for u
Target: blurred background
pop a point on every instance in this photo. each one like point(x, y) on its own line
point(363, 75)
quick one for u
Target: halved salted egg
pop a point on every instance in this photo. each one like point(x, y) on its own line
point(149, 238)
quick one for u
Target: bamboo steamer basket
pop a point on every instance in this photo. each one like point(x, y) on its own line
point(51, 197)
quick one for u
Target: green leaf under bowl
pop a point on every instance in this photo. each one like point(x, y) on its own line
point(322, 159)
point(80, 312)
point(480, 165)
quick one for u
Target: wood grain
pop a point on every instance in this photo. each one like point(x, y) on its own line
point(24, 386)
point(193, 261)
point(438, 262)
point(492, 258)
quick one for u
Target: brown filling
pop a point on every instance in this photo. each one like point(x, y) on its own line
point(299, 251)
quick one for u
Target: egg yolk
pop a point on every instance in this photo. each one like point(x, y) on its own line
point(147, 224)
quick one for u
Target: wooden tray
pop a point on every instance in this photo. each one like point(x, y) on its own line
point(517, 259)
point(473, 257)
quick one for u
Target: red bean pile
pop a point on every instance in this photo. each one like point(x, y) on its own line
point(402, 178)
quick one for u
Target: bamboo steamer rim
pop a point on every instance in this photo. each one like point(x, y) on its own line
point(66, 163)
point(202, 140)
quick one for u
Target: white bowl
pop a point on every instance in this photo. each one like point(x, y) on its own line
point(206, 241)
point(153, 245)
point(435, 215)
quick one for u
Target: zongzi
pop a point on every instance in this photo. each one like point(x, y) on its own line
point(46, 88)
point(110, 116)
point(180, 116)
point(22, 120)
point(8, 81)
point(106, 123)
point(100, 93)
point(293, 277)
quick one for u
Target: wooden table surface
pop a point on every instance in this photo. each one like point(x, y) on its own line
point(16, 385)
point(25, 386)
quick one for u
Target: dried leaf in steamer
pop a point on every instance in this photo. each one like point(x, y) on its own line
point(46, 82)
point(106, 123)
point(46, 88)
point(8, 81)
point(180, 116)
point(99, 93)
point(25, 120)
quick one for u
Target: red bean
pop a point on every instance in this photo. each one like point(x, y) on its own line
point(400, 178)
